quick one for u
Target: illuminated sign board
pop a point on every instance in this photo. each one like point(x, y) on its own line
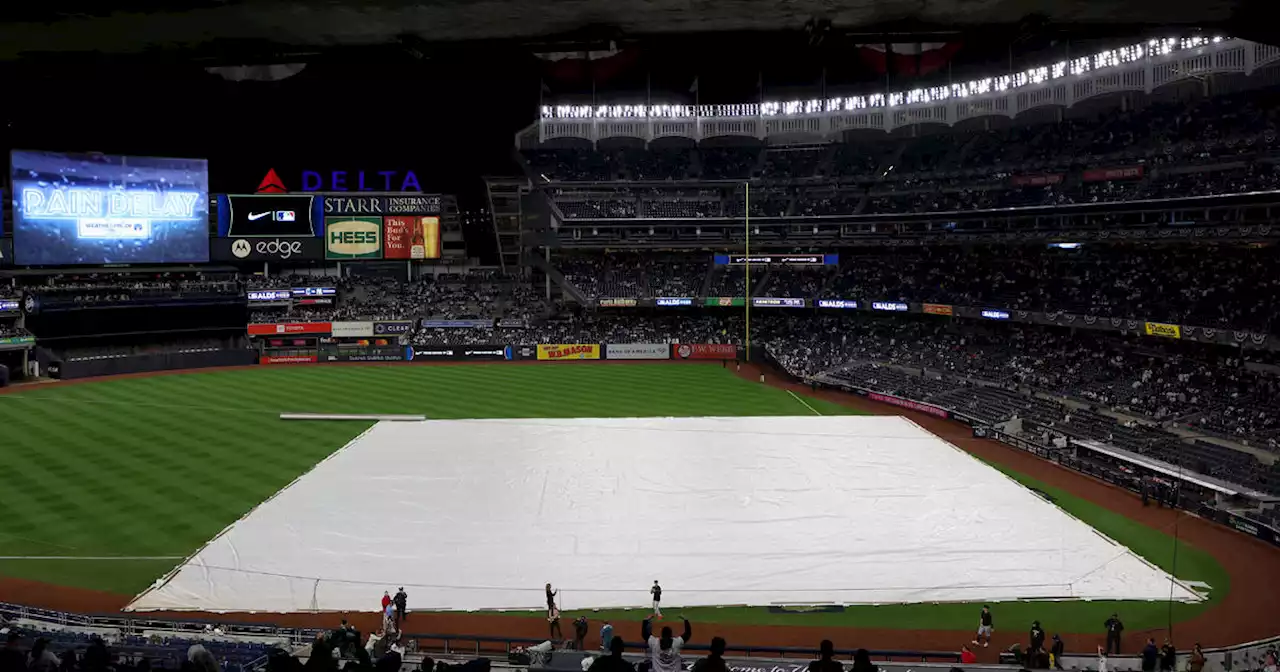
point(673, 301)
point(360, 180)
point(314, 291)
point(995, 314)
point(837, 303)
point(776, 302)
point(425, 204)
point(269, 295)
point(10, 306)
point(892, 306)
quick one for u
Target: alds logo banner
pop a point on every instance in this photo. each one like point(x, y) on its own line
point(562, 351)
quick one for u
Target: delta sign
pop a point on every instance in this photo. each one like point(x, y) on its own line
point(343, 180)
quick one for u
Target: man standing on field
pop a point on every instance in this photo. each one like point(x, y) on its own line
point(656, 591)
point(1114, 629)
point(986, 626)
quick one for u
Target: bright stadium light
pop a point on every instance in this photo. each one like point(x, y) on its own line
point(1036, 76)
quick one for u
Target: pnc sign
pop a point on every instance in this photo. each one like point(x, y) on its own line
point(344, 180)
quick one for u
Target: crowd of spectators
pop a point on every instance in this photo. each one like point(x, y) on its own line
point(1219, 145)
point(1220, 129)
point(11, 330)
point(1228, 287)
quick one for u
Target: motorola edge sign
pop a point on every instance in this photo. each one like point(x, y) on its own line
point(266, 249)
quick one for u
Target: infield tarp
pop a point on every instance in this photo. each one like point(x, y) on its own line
point(479, 514)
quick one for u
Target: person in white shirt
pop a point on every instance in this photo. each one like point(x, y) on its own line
point(664, 651)
point(1102, 660)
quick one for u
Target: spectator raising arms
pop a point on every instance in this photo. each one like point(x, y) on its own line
point(664, 651)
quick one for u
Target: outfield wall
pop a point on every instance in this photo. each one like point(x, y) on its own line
point(70, 369)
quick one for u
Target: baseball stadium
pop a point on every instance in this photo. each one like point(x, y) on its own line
point(958, 358)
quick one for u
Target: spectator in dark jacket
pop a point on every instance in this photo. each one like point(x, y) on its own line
point(862, 661)
point(1150, 656)
point(402, 605)
point(1037, 636)
point(580, 633)
point(12, 659)
point(614, 662)
point(1168, 657)
point(1114, 629)
point(826, 661)
point(41, 658)
point(1058, 649)
point(715, 661)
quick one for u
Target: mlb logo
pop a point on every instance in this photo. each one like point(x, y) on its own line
point(285, 216)
point(279, 328)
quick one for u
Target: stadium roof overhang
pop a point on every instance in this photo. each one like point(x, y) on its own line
point(231, 30)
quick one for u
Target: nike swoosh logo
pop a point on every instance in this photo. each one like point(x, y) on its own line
point(253, 216)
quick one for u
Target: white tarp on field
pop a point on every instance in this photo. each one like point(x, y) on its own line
point(475, 514)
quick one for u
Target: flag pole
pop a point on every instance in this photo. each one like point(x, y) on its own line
point(746, 219)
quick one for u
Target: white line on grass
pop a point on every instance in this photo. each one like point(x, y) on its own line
point(801, 400)
point(91, 557)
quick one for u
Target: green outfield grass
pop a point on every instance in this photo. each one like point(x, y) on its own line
point(155, 467)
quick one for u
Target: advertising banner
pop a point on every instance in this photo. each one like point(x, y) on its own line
point(9, 341)
point(486, 352)
point(351, 329)
point(1104, 174)
point(725, 301)
point(704, 351)
point(992, 314)
point(776, 302)
point(424, 204)
point(457, 324)
point(512, 323)
point(1162, 329)
point(617, 303)
point(392, 328)
point(10, 306)
point(268, 296)
point(461, 352)
point(353, 238)
point(672, 301)
point(637, 351)
point(289, 328)
point(938, 309)
point(891, 306)
point(270, 216)
point(769, 259)
point(566, 351)
point(411, 237)
point(1035, 180)
point(258, 250)
point(288, 359)
point(847, 304)
point(371, 355)
point(909, 404)
point(1263, 532)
